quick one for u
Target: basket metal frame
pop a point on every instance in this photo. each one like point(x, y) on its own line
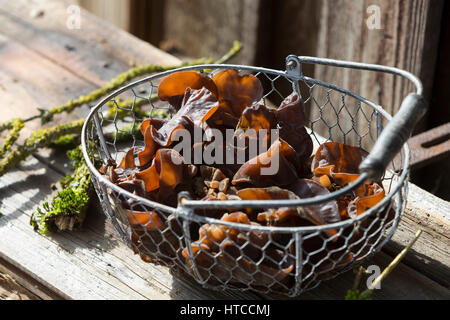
point(185, 209)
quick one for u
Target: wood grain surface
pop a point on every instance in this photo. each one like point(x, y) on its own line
point(43, 64)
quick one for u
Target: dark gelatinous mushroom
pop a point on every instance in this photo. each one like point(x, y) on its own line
point(320, 214)
point(270, 168)
point(242, 257)
point(197, 107)
point(235, 92)
point(173, 86)
point(165, 173)
point(291, 122)
point(150, 236)
point(335, 157)
point(289, 119)
point(255, 118)
point(367, 196)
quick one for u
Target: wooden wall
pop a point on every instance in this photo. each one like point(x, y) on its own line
point(204, 27)
point(116, 12)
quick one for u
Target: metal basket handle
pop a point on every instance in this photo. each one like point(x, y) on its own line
point(398, 130)
point(392, 138)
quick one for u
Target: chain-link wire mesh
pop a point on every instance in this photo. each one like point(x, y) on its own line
point(287, 260)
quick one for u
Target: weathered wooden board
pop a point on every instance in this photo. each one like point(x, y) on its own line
point(431, 253)
point(30, 283)
point(95, 52)
point(11, 290)
point(203, 27)
point(94, 263)
point(28, 81)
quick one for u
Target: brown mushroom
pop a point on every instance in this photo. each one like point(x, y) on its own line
point(335, 157)
point(273, 167)
point(235, 92)
point(173, 86)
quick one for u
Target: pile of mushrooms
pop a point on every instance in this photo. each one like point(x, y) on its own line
point(222, 254)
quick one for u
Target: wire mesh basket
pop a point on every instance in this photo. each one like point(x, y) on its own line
point(268, 259)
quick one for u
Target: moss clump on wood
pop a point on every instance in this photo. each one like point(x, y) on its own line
point(67, 210)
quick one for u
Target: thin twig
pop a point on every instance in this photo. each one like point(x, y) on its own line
point(394, 262)
point(360, 270)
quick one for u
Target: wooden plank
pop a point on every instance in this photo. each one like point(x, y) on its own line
point(28, 81)
point(43, 72)
point(147, 20)
point(116, 12)
point(96, 52)
point(203, 27)
point(287, 27)
point(403, 284)
point(431, 253)
point(35, 289)
point(11, 290)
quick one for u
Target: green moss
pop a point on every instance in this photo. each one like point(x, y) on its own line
point(16, 125)
point(66, 142)
point(67, 210)
point(357, 295)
